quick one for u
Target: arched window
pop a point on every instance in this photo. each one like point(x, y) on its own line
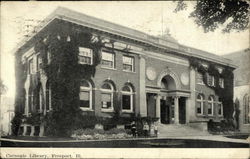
point(107, 94)
point(210, 107)
point(85, 95)
point(220, 108)
point(200, 104)
point(127, 98)
point(246, 106)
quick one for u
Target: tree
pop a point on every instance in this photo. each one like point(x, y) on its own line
point(210, 14)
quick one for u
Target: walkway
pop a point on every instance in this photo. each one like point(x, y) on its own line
point(185, 132)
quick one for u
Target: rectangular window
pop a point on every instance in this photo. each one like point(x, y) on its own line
point(221, 82)
point(200, 78)
point(84, 99)
point(128, 63)
point(106, 101)
point(108, 60)
point(31, 68)
point(126, 102)
point(85, 56)
point(210, 80)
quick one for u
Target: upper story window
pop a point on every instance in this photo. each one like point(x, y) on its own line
point(210, 107)
point(210, 80)
point(107, 95)
point(200, 78)
point(85, 56)
point(30, 66)
point(200, 104)
point(220, 108)
point(108, 59)
point(127, 98)
point(85, 95)
point(221, 82)
point(128, 63)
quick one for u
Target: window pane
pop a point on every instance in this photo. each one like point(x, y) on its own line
point(127, 67)
point(126, 89)
point(200, 78)
point(31, 66)
point(126, 102)
point(84, 60)
point(199, 108)
point(106, 97)
point(219, 109)
point(85, 55)
point(209, 111)
point(107, 56)
point(85, 52)
point(84, 95)
point(127, 60)
point(84, 83)
point(84, 99)
point(106, 86)
point(107, 63)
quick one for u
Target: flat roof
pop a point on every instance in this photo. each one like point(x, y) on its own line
point(116, 29)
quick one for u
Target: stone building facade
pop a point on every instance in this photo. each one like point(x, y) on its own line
point(142, 74)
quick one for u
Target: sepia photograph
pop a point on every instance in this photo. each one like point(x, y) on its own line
point(125, 74)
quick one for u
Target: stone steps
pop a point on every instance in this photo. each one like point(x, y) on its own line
point(181, 130)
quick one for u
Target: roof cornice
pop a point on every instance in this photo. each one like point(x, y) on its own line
point(116, 29)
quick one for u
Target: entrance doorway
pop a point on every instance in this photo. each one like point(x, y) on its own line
point(167, 111)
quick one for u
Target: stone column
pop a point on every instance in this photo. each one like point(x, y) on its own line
point(24, 130)
point(32, 131)
point(143, 103)
point(188, 106)
point(192, 108)
point(176, 110)
point(158, 107)
point(41, 133)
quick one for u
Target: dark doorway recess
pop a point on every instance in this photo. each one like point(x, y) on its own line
point(165, 112)
point(182, 110)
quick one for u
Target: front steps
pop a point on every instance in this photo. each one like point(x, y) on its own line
point(180, 130)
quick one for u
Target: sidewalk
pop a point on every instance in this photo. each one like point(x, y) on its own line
point(209, 138)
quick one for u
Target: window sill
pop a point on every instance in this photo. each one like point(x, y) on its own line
point(108, 68)
point(127, 111)
point(82, 63)
point(87, 109)
point(128, 71)
point(200, 115)
point(203, 84)
point(108, 110)
point(210, 115)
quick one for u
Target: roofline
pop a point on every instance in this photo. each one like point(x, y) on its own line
point(123, 31)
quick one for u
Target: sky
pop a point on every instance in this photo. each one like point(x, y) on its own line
point(149, 17)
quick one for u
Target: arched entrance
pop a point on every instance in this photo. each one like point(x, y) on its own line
point(167, 103)
point(172, 102)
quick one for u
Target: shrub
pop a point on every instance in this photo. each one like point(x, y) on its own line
point(88, 134)
point(15, 123)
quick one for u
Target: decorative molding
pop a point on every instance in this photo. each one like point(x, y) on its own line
point(170, 73)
